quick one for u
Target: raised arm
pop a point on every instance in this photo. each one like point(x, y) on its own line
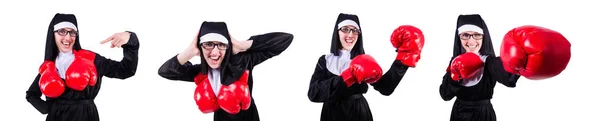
point(261, 48)
point(390, 80)
point(128, 65)
point(174, 70)
point(179, 68)
point(496, 68)
point(33, 96)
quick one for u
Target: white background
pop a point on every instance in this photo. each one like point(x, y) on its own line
point(281, 83)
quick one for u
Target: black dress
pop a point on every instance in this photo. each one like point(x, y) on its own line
point(473, 103)
point(263, 47)
point(342, 103)
point(79, 105)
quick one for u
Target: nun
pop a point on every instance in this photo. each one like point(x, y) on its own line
point(70, 76)
point(528, 51)
point(224, 76)
point(342, 77)
point(473, 84)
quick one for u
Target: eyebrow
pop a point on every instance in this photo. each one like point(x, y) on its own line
point(472, 34)
point(214, 42)
point(67, 29)
point(351, 27)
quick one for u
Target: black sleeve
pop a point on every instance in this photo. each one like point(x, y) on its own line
point(496, 68)
point(172, 70)
point(34, 95)
point(126, 67)
point(323, 84)
point(449, 87)
point(390, 80)
point(265, 46)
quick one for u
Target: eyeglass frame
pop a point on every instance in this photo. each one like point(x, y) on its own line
point(71, 33)
point(469, 36)
point(208, 47)
point(348, 30)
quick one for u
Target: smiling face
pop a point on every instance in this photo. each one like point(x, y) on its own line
point(471, 41)
point(65, 39)
point(348, 36)
point(213, 52)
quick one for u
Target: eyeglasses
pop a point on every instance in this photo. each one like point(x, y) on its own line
point(211, 45)
point(63, 32)
point(348, 30)
point(466, 36)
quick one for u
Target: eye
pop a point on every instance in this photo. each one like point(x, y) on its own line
point(208, 44)
point(344, 29)
point(356, 31)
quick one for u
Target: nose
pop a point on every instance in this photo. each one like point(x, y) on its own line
point(214, 51)
point(68, 38)
point(351, 35)
point(471, 40)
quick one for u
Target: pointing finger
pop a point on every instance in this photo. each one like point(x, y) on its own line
point(107, 39)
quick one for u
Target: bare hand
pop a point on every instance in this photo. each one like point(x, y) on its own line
point(240, 46)
point(189, 52)
point(117, 39)
point(193, 48)
point(235, 49)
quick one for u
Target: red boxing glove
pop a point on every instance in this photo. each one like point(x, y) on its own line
point(409, 41)
point(236, 96)
point(465, 66)
point(82, 71)
point(362, 68)
point(535, 52)
point(50, 83)
point(204, 95)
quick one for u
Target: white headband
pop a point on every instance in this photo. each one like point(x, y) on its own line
point(469, 27)
point(65, 24)
point(348, 22)
point(213, 37)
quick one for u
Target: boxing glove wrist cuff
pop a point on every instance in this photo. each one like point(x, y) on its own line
point(347, 77)
point(408, 59)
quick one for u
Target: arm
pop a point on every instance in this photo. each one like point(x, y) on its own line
point(179, 67)
point(263, 47)
point(34, 97)
point(390, 80)
point(323, 84)
point(174, 70)
point(449, 87)
point(496, 69)
point(126, 67)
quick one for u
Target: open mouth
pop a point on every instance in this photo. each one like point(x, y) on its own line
point(65, 43)
point(472, 47)
point(349, 41)
point(214, 59)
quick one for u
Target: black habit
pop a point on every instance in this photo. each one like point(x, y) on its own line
point(473, 102)
point(79, 105)
point(264, 47)
point(342, 103)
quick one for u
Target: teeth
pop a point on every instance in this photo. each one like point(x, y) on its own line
point(472, 46)
point(349, 41)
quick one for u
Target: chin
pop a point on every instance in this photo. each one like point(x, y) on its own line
point(65, 50)
point(213, 66)
point(348, 47)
